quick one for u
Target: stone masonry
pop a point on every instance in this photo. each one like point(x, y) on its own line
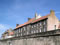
point(44, 38)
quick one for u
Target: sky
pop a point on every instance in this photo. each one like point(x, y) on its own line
point(14, 12)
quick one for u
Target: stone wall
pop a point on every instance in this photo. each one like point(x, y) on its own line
point(44, 38)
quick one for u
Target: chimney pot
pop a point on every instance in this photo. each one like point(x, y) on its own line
point(36, 15)
point(29, 19)
point(17, 25)
point(52, 12)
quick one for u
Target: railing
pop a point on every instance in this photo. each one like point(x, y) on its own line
point(40, 34)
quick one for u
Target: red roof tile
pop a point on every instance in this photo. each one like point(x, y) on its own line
point(32, 21)
point(11, 33)
point(25, 23)
point(44, 17)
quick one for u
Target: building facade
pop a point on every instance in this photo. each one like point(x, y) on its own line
point(40, 30)
point(8, 34)
point(37, 24)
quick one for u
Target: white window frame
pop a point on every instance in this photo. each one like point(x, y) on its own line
point(40, 23)
point(44, 22)
point(34, 31)
point(19, 30)
point(35, 25)
point(32, 26)
point(44, 29)
point(40, 30)
point(24, 28)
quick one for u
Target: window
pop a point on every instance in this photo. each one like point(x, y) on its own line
point(24, 28)
point(35, 25)
point(27, 30)
point(27, 27)
point(37, 31)
point(17, 34)
point(40, 23)
point(10, 43)
point(32, 26)
point(32, 31)
point(16, 31)
point(40, 26)
point(44, 29)
point(19, 30)
point(44, 22)
point(40, 30)
point(55, 26)
point(21, 34)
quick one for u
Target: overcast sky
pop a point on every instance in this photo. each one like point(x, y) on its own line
point(14, 12)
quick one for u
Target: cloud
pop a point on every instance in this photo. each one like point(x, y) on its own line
point(3, 28)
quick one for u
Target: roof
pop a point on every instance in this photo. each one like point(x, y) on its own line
point(25, 23)
point(33, 21)
point(41, 18)
point(11, 33)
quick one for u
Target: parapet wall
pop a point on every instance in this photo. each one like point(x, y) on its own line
point(44, 38)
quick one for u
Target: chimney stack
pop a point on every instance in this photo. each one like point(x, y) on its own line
point(17, 25)
point(52, 12)
point(36, 15)
point(29, 19)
